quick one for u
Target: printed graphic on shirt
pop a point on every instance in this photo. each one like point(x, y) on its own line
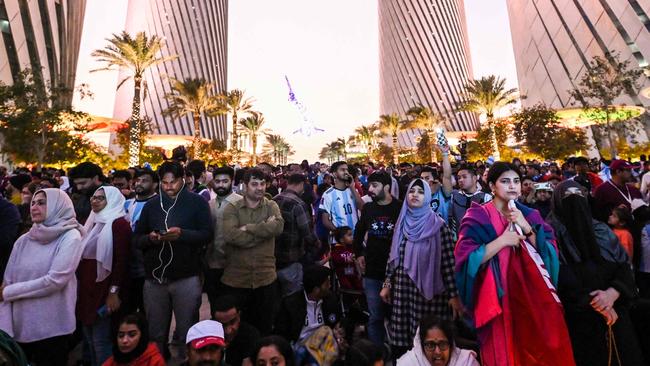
point(381, 227)
point(340, 206)
point(440, 204)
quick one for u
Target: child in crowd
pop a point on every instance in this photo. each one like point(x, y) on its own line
point(345, 267)
point(620, 220)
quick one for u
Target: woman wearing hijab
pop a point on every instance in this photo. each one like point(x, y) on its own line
point(595, 284)
point(39, 290)
point(506, 270)
point(420, 269)
point(434, 345)
point(103, 269)
point(131, 347)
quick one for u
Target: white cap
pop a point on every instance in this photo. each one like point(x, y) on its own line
point(205, 333)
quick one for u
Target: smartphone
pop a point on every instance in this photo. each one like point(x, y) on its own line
point(442, 139)
point(161, 232)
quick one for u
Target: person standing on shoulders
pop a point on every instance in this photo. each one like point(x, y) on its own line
point(250, 226)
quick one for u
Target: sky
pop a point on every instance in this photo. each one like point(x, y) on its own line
point(328, 50)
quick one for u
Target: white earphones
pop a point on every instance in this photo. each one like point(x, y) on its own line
point(165, 243)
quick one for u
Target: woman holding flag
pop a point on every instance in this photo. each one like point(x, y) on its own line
point(506, 270)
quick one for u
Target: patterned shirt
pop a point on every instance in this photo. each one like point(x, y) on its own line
point(297, 233)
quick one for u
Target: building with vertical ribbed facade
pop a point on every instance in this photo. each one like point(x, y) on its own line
point(554, 41)
point(195, 31)
point(424, 59)
point(41, 35)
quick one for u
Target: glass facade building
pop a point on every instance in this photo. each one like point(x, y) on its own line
point(424, 59)
point(42, 35)
point(194, 30)
point(554, 41)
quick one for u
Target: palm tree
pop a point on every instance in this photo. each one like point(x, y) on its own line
point(366, 136)
point(192, 96)
point(488, 95)
point(235, 103)
point(135, 54)
point(276, 146)
point(424, 118)
point(329, 152)
point(391, 124)
point(253, 126)
point(343, 147)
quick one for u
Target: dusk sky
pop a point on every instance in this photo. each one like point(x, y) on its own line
point(329, 51)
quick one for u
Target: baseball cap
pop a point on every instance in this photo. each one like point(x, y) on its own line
point(205, 333)
point(619, 165)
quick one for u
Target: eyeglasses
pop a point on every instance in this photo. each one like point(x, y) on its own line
point(431, 345)
point(98, 198)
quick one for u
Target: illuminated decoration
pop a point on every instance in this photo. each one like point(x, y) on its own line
point(577, 117)
point(307, 128)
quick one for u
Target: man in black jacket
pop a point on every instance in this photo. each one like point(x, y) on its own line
point(302, 313)
point(172, 232)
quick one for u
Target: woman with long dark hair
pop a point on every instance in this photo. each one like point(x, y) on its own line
point(131, 346)
point(506, 269)
point(595, 284)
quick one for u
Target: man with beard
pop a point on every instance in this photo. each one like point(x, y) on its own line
point(172, 231)
point(250, 226)
point(296, 236)
point(86, 178)
point(377, 221)
point(216, 257)
point(340, 204)
point(616, 191)
point(205, 344)
point(146, 184)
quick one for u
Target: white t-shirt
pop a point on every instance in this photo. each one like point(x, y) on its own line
point(313, 319)
point(341, 207)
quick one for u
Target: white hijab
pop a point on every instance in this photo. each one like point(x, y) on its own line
point(114, 210)
point(416, 356)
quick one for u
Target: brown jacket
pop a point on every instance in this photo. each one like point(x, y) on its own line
point(250, 253)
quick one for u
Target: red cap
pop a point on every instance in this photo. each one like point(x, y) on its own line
point(206, 341)
point(620, 165)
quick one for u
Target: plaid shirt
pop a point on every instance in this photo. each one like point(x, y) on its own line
point(297, 233)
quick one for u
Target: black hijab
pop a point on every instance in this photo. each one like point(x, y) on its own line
point(574, 227)
point(141, 323)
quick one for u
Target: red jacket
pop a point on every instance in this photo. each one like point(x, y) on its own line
point(150, 357)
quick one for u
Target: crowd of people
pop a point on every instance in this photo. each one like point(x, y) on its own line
point(463, 264)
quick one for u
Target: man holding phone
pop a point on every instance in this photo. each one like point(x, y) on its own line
point(172, 231)
point(340, 204)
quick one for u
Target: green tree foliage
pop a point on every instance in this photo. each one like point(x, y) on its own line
point(135, 54)
point(37, 129)
point(540, 129)
point(605, 80)
point(481, 148)
point(148, 154)
point(424, 148)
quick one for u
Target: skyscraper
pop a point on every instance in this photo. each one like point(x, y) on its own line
point(195, 31)
point(424, 59)
point(554, 41)
point(41, 35)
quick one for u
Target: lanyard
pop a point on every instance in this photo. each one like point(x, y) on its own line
point(627, 197)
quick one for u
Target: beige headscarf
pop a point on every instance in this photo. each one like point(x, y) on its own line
point(59, 218)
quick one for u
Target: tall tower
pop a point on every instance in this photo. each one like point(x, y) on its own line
point(44, 36)
point(554, 41)
point(424, 59)
point(196, 31)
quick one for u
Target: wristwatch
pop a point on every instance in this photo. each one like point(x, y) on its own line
point(114, 289)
